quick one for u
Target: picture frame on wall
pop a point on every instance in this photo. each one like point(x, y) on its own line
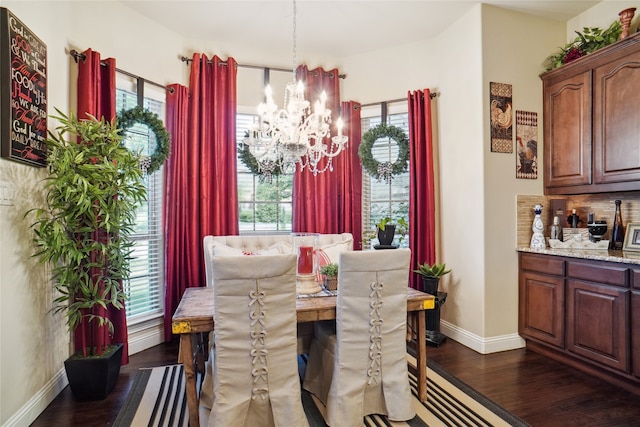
point(501, 117)
point(23, 92)
point(527, 144)
point(632, 237)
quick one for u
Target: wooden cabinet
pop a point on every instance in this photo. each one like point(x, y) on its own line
point(541, 296)
point(583, 312)
point(635, 322)
point(597, 323)
point(601, 290)
point(567, 147)
point(635, 338)
point(592, 122)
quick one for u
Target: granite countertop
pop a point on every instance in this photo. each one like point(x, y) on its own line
point(595, 254)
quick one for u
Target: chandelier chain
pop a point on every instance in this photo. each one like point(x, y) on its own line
point(295, 36)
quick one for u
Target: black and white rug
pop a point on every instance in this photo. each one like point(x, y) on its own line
point(157, 399)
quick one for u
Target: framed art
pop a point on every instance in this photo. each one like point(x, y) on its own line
point(500, 103)
point(23, 94)
point(632, 237)
point(527, 146)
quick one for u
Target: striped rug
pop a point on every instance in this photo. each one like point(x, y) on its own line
point(157, 399)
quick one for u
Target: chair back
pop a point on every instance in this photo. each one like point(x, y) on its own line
point(370, 372)
point(271, 244)
point(255, 374)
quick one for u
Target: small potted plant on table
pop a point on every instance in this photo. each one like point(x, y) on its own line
point(386, 229)
point(330, 272)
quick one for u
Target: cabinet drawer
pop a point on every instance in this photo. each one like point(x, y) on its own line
point(547, 264)
point(609, 274)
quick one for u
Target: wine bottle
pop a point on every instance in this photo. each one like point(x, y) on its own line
point(617, 232)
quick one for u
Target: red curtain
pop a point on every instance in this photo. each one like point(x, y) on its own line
point(349, 170)
point(422, 230)
point(316, 204)
point(97, 97)
point(201, 195)
point(176, 206)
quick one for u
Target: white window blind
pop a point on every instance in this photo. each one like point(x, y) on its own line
point(145, 285)
point(262, 206)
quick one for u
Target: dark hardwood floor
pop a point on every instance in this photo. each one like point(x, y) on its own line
point(535, 388)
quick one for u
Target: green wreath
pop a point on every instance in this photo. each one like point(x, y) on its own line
point(384, 170)
point(264, 170)
point(129, 118)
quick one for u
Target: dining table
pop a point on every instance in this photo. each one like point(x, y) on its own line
point(193, 320)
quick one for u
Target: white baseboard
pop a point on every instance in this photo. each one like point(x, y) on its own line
point(480, 344)
point(146, 337)
point(39, 402)
point(141, 337)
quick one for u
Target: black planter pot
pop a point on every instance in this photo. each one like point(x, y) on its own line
point(385, 237)
point(93, 378)
point(430, 285)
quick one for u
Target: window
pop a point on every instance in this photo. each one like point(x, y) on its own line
point(145, 285)
point(263, 206)
point(380, 198)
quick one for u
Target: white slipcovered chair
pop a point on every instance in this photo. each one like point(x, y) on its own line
point(255, 380)
point(329, 247)
point(357, 366)
point(268, 244)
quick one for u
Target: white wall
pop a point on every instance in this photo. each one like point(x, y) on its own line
point(461, 181)
point(33, 342)
point(514, 48)
point(601, 16)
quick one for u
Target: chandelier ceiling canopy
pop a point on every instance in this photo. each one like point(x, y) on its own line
point(295, 134)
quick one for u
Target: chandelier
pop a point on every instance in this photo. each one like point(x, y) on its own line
point(295, 134)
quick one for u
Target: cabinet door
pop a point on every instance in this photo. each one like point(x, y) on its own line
point(597, 326)
point(567, 127)
point(635, 333)
point(541, 311)
point(616, 122)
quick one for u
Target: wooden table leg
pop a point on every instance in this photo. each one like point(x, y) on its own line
point(186, 349)
point(421, 356)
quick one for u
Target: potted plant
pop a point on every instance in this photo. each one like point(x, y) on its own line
point(387, 228)
point(92, 193)
point(330, 272)
point(591, 40)
point(431, 276)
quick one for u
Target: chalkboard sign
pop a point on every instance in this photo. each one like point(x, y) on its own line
point(23, 98)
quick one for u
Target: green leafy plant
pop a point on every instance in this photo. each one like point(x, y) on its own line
point(433, 271)
point(92, 193)
point(383, 222)
point(329, 270)
point(402, 226)
point(588, 41)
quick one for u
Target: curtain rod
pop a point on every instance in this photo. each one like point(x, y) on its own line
point(77, 56)
point(431, 96)
point(259, 67)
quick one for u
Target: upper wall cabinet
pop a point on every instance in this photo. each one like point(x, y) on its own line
point(592, 122)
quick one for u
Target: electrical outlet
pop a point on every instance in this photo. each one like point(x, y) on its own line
point(6, 194)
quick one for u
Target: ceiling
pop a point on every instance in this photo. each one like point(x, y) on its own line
point(334, 28)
